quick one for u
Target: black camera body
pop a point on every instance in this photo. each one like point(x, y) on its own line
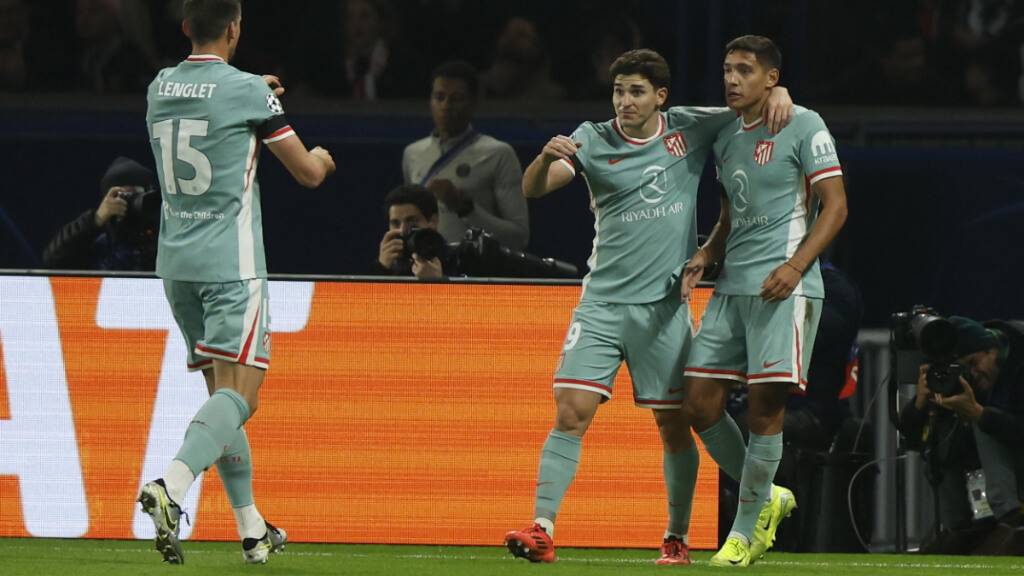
point(427, 243)
point(141, 201)
point(944, 379)
point(925, 331)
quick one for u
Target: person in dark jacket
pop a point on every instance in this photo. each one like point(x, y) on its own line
point(972, 439)
point(119, 234)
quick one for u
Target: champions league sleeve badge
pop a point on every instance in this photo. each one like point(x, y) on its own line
point(273, 104)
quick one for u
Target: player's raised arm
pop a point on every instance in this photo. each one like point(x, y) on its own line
point(309, 167)
point(539, 178)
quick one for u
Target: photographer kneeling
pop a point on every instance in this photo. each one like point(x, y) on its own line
point(973, 438)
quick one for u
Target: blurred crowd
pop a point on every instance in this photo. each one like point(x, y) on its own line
point(868, 52)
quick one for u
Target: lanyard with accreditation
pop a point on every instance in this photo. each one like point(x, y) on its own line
point(450, 155)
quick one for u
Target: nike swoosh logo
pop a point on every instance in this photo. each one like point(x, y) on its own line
point(616, 161)
point(673, 505)
point(767, 365)
point(768, 523)
point(735, 562)
point(748, 501)
point(726, 159)
point(674, 390)
point(542, 483)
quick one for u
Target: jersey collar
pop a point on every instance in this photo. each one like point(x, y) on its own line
point(631, 140)
point(204, 58)
point(748, 127)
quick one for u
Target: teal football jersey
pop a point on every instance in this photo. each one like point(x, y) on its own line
point(644, 195)
point(206, 119)
point(768, 182)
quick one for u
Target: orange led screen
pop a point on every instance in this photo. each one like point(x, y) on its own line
point(401, 413)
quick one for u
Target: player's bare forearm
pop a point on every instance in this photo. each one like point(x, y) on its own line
point(708, 255)
point(309, 167)
point(830, 221)
point(324, 165)
point(714, 248)
point(540, 176)
point(535, 178)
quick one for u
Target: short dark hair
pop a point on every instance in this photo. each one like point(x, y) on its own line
point(208, 19)
point(646, 63)
point(459, 70)
point(767, 53)
point(414, 194)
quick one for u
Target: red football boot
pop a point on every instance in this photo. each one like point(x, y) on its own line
point(532, 543)
point(673, 551)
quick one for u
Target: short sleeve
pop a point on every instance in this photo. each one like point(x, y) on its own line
point(818, 149)
point(578, 161)
point(266, 112)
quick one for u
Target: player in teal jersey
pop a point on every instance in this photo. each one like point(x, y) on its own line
point(206, 121)
point(642, 168)
point(784, 203)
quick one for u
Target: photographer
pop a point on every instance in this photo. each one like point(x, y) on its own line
point(121, 233)
point(971, 437)
point(412, 245)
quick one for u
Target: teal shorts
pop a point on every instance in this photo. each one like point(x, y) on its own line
point(748, 340)
point(224, 320)
point(653, 339)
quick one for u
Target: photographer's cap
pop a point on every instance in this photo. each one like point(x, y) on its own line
point(971, 336)
point(127, 172)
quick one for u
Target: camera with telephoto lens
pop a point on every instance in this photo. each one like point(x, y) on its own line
point(427, 243)
point(481, 254)
point(925, 331)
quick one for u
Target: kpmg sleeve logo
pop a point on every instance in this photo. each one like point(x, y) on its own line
point(823, 148)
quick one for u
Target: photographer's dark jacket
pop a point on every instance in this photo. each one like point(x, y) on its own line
point(1003, 417)
point(82, 245)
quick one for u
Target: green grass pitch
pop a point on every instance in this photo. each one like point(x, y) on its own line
point(40, 556)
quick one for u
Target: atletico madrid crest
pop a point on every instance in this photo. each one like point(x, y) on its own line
point(763, 152)
point(676, 144)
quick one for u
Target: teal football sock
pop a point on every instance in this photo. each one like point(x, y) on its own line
point(680, 481)
point(235, 469)
point(213, 429)
point(724, 443)
point(558, 462)
point(763, 456)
